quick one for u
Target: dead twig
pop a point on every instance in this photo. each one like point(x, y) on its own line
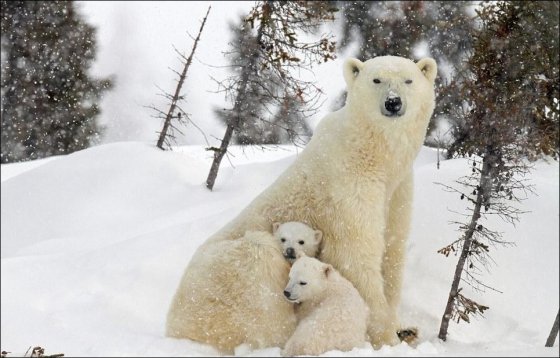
point(37, 351)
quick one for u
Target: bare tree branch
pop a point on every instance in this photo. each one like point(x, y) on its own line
point(167, 126)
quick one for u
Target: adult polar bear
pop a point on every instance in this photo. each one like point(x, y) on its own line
point(353, 181)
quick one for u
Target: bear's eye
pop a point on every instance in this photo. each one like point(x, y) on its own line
point(408, 82)
point(376, 80)
point(301, 242)
point(303, 283)
point(282, 239)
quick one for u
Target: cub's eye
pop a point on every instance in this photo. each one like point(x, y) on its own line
point(301, 242)
point(376, 80)
point(303, 283)
point(282, 239)
point(408, 82)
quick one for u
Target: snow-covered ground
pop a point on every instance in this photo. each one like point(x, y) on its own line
point(93, 245)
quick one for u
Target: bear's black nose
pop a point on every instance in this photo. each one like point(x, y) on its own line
point(290, 252)
point(287, 294)
point(393, 104)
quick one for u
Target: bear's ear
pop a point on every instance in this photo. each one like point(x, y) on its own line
point(318, 236)
point(428, 67)
point(275, 227)
point(352, 68)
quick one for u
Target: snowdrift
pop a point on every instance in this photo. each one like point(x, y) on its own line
point(93, 245)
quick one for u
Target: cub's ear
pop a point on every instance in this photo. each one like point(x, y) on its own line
point(318, 236)
point(275, 227)
point(428, 67)
point(352, 68)
point(328, 269)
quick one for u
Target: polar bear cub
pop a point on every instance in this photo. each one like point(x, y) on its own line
point(331, 313)
point(297, 239)
point(232, 294)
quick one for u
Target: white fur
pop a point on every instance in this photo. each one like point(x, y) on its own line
point(297, 239)
point(331, 313)
point(227, 293)
point(353, 181)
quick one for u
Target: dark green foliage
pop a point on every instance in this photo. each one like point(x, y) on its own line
point(270, 84)
point(511, 86)
point(255, 128)
point(509, 116)
point(383, 27)
point(49, 101)
point(268, 60)
point(289, 125)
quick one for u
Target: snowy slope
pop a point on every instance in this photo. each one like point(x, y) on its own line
point(93, 245)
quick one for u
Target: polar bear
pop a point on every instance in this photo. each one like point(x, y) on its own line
point(297, 239)
point(331, 313)
point(353, 181)
point(236, 286)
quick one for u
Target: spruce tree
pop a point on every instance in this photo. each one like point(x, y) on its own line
point(289, 125)
point(49, 100)
point(506, 89)
point(269, 66)
point(255, 127)
point(525, 52)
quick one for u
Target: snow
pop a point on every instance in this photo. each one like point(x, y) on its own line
point(94, 244)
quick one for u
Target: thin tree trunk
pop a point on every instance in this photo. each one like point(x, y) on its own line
point(438, 154)
point(485, 184)
point(182, 77)
point(234, 121)
point(553, 332)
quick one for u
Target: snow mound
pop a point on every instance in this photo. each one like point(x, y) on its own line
point(99, 192)
point(93, 245)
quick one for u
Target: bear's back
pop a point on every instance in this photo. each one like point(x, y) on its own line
point(232, 294)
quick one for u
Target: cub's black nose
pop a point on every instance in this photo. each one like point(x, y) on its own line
point(287, 294)
point(393, 104)
point(290, 252)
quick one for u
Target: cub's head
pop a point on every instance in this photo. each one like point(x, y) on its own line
point(308, 279)
point(297, 239)
point(391, 88)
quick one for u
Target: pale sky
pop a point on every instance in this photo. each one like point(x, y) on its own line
point(135, 43)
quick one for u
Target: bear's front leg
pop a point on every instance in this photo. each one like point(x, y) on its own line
point(365, 272)
point(357, 249)
point(396, 236)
